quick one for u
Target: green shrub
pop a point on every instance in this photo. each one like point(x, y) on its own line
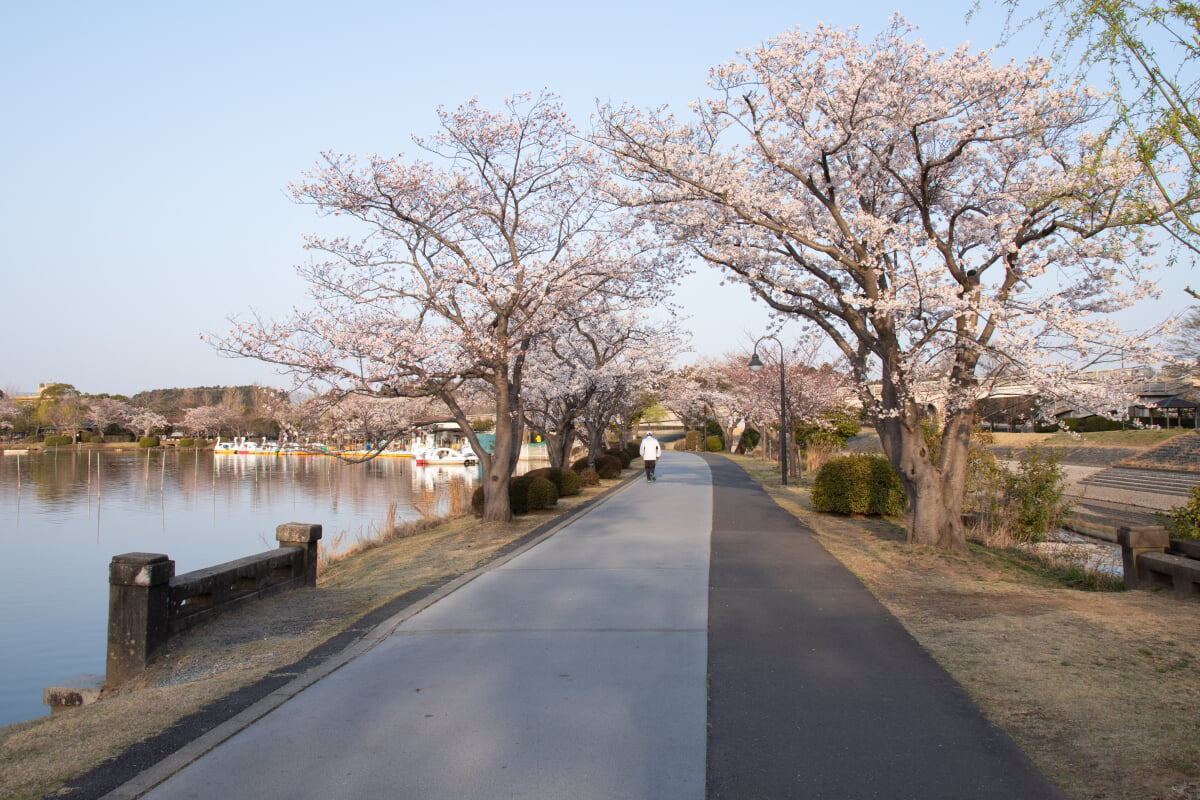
point(608, 467)
point(750, 440)
point(541, 494)
point(1092, 424)
point(566, 481)
point(57, 441)
point(693, 440)
point(622, 455)
point(148, 441)
point(1034, 493)
point(714, 444)
point(186, 442)
point(518, 493)
point(90, 437)
point(830, 431)
point(589, 477)
point(1183, 522)
point(858, 484)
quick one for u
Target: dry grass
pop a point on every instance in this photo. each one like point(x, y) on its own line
point(40, 755)
point(1101, 689)
point(1128, 438)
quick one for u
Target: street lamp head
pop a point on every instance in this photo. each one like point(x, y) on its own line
point(755, 364)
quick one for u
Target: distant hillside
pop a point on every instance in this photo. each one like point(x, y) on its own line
point(171, 402)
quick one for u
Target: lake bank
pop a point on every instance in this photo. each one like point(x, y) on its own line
point(39, 755)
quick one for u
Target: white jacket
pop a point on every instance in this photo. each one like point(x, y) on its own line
point(650, 449)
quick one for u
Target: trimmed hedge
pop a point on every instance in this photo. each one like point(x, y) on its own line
point(528, 492)
point(623, 455)
point(588, 477)
point(57, 441)
point(186, 442)
point(148, 441)
point(858, 484)
point(714, 444)
point(541, 494)
point(566, 481)
point(607, 467)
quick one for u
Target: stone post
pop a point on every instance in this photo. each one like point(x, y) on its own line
point(306, 535)
point(139, 594)
point(1134, 542)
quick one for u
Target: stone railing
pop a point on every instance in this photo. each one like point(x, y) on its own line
point(148, 603)
point(1152, 560)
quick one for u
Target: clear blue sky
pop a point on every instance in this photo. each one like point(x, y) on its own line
point(146, 148)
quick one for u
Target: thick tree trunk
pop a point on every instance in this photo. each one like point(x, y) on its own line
point(497, 467)
point(595, 444)
point(558, 447)
point(935, 490)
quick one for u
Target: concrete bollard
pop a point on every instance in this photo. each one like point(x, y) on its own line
point(306, 535)
point(1136, 541)
point(138, 612)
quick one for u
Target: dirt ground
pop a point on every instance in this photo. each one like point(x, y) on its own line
point(1101, 690)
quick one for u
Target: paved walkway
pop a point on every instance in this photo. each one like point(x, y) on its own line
point(580, 668)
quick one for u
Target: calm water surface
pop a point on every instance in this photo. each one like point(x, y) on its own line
point(64, 516)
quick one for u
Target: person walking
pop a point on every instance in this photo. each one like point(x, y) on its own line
point(650, 451)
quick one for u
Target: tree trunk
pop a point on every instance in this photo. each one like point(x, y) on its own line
point(935, 491)
point(558, 447)
point(595, 444)
point(497, 466)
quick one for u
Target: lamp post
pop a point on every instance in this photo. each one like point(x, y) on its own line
point(756, 365)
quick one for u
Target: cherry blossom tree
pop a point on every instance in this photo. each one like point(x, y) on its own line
point(104, 411)
point(376, 420)
point(589, 370)
point(922, 209)
point(470, 258)
point(620, 365)
point(9, 411)
point(209, 420)
point(144, 420)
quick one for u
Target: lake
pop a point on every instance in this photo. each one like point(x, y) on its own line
point(64, 515)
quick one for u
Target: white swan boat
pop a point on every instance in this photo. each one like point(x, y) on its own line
point(446, 456)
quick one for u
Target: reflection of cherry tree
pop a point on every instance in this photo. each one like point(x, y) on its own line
point(466, 265)
point(924, 210)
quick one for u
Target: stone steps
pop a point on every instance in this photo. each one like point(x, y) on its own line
point(1150, 481)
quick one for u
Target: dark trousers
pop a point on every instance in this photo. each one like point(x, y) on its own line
point(650, 467)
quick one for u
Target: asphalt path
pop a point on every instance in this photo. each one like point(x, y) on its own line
point(685, 639)
point(575, 670)
point(817, 691)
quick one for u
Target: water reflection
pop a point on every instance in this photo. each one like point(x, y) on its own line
point(64, 515)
